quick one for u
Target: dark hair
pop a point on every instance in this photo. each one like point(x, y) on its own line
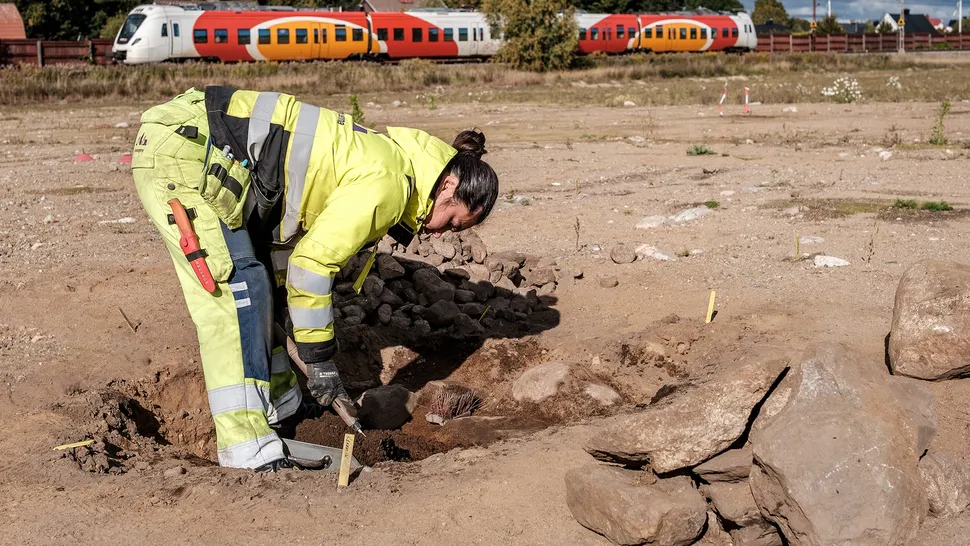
point(477, 182)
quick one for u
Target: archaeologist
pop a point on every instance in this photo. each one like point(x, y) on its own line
point(249, 186)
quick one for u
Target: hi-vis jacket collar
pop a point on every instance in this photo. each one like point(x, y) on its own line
point(434, 154)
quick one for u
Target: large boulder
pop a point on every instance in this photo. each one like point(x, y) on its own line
point(630, 507)
point(387, 407)
point(918, 403)
point(930, 336)
point(693, 425)
point(759, 534)
point(734, 502)
point(731, 466)
point(947, 483)
point(837, 463)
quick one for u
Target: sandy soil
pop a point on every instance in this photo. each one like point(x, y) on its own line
point(64, 274)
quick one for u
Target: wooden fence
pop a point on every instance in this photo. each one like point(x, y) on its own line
point(860, 43)
point(45, 52)
point(99, 51)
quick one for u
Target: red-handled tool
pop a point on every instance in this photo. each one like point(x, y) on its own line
point(189, 242)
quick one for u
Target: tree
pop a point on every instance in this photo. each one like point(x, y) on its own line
point(870, 28)
point(69, 19)
point(113, 25)
point(885, 28)
point(799, 25)
point(537, 35)
point(829, 25)
point(769, 10)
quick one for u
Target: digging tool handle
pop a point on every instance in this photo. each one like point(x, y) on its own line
point(346, 410)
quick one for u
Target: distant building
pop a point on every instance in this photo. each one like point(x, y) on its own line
point(770, 27)
point(11, 24)
point(915, 23)
point(855, 27)
point(388, 5)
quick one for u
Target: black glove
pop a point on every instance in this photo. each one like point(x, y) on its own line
point(323, 380)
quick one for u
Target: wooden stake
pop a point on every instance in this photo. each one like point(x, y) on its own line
point(798, 243)
point(710, 308)
point(345, 458)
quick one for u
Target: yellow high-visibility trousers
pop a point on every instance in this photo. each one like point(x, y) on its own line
point(248, 377)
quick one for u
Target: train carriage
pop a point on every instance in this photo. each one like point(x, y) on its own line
point(155, 33)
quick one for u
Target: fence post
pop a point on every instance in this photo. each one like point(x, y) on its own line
point(864, 43)
point(40, 53)
point(791, 42)
point(771, 42)
point(91, 53)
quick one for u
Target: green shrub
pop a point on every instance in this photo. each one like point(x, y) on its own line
point(936, 206)
point(700, 149)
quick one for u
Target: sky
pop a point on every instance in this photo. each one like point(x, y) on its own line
point(869, 9)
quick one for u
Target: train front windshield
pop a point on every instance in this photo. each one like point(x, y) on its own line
point(131, 25)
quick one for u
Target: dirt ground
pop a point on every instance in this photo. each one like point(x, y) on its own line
point(575, 182)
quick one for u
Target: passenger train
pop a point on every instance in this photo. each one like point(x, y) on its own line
point(155, 33)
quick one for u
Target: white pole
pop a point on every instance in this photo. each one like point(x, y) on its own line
point(960, 16)
point(828, 11)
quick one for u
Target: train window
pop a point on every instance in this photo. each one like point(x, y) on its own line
point(693, 34)
point(703, 33)
point(340, 33)
point(481, 33)
point(658, 31)
point(301, 36)
point(316, 36)
point(725, 33)
point(282, 35)
point(432, 35)
point(683, 33)
point(417, 34)
point(582, 34)
point(631, 32)
point(463, 35)
point(242, 36)
point(619, 31)
point(357, 34)
point(175, 30)
point(164, 30)
point(713, 33)
point(382, 34)
point(399, 35)
point(734, 32)
point(474, 34)
point(323, 35)
point(200, 36)
point(221, 36)
point(594, 34)
point(449, 35)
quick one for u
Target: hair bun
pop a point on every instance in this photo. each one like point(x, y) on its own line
point(471, 142)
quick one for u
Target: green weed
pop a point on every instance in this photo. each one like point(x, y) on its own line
point(700, 149)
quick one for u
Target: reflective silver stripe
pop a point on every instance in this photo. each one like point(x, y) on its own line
point(259, 122)
point(245, 302)
point(308, 281)
point(238, 286)
point(285, 406)
point(300, 147)
point(237, 397)
point(320, 317)
point(252, 453)
point(280, 258)
point(279, 363)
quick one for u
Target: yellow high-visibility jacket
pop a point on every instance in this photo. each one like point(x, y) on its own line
point(338, 186)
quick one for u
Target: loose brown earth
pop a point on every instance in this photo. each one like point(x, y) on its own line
point(573, 185)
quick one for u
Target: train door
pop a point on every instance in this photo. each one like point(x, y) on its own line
point(174, 31)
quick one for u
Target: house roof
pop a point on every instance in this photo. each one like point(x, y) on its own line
point(11, 24)
point(388, 5)
point(916, 23)
point(855, 28)
point(771, 28)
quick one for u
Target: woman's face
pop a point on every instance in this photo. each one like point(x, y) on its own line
point(447, 214)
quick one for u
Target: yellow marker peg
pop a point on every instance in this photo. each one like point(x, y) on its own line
point(710, 308)
point(798, 243)
point(345, 458)
point(75, 444)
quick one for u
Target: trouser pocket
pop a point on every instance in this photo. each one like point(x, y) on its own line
point(224, 186)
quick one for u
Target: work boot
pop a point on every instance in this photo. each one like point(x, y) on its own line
point(289, 463)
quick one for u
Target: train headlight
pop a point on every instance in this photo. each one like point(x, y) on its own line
point(135, 42)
